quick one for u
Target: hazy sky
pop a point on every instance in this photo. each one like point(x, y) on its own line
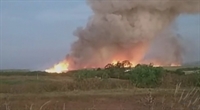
point(35, 34)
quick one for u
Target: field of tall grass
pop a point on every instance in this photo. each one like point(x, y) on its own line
point(115, 87)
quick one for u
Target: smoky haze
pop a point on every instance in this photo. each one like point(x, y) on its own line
point(126, 29)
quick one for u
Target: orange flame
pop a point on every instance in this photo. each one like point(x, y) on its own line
point(63, 66)
point(172, 65)
point(133, 64)
point(114, 62)
point(59, 68)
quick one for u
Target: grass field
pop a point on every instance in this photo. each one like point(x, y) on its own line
point(43, 91)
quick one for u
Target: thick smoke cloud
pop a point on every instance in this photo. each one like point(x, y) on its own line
point(124, 30)
point(166, 50)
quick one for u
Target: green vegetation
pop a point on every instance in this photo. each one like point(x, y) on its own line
point(143, 87)
point(22, 73)
point(146, 75)
point(141, 76)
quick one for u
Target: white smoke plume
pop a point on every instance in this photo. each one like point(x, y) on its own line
point(124, 30)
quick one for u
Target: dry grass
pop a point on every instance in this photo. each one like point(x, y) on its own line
point(31, 84)
point(116, 99)
point(42, 84)
point(63, 93)
point(172, 67)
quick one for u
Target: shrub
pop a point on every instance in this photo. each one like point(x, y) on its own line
point(84, 74)
point(146, 75)
point(110, 71)
point(179, 72)
point(118, 70)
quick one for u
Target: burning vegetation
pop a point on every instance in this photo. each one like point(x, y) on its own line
point(125, 30)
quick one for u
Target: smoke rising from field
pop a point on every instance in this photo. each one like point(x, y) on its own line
point(125, 29)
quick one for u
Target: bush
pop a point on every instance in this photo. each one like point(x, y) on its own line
point(146, 76)
point(179, 72)
point(82, 74)
point(85, 74)
point(110, 71)
point(118, 70)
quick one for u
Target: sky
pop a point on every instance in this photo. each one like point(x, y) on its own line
point(35, 34)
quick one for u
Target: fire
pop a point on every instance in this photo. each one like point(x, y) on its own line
point(114, 62)
point(63, 66)
point(133, 64)
point(175, 65)
point(160, 65)
point(59, 68)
